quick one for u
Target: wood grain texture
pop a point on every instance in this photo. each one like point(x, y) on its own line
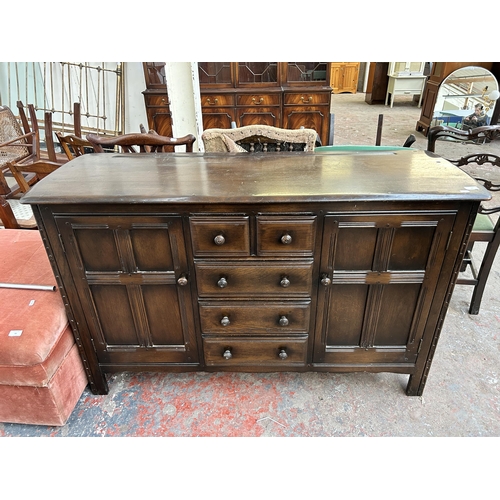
point(270, 178)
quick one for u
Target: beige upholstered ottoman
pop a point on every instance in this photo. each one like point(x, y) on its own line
point(41, 373)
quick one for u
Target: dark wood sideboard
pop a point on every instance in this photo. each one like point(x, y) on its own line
point(272, 262)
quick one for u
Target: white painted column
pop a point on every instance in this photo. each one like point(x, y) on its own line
point(365, 80)
point(185, 103)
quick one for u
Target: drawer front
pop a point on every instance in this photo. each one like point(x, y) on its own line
point(258, 100)
point(408, 85)
point(157, 101)
point(290, 236)
point(258, 278)
point(215, 236)
point(307, 98)
point(255, 352)
point(233, 317)
point(217, 100)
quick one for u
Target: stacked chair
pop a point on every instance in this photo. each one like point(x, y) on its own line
point(485, 229)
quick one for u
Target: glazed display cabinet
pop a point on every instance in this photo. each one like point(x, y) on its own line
point(277, 94)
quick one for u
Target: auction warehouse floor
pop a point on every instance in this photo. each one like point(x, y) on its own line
point(461, 398)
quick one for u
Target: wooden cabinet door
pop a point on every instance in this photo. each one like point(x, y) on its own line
point(217, 117)
point(132, 279)
point(315, 118)
point(350, 80)
point(259, 116)
point(160, 120)
point(336, 77)
point(378, 273)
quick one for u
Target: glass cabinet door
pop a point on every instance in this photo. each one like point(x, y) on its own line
point(154, 73)
point(258, 73)
point(307, 72)
point(215, 73)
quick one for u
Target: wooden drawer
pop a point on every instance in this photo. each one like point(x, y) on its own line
point(258, 100)
point(157, 100)
point(213, 236)
point(217, 100)
point(406, 85)
point(257, 317)
point(257, 278)
point(307, 98)
point(256, 352)
point(287, 235)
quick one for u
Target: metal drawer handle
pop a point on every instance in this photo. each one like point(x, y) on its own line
point(282, 354)
point(260, 101)
point(182, 281)
point(284, 321)
point(225, 321)
point(285, 282)
point(309, 99)
point(325, 280)
point(219, 240)
point(222, 283)
point(286, 239)
point(210, 103)
point(227, 353)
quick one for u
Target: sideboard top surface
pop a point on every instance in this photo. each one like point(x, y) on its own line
point(402, 175)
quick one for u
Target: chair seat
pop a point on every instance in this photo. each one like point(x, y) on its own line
point(483, 222)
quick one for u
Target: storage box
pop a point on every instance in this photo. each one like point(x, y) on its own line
point(41, 372)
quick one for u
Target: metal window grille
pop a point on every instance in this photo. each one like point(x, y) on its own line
point(56, 86)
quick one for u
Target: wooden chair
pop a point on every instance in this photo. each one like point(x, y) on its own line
point(73, 146)
point(49, 152)
point(7, 217)
point(149, 142)
point(32, 164)
point(10, 218)
point(14, 146)
point(258, 138)
point(485, 229)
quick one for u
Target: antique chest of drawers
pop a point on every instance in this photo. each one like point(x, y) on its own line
point(263, 262)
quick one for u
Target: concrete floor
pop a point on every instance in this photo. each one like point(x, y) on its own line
point(461, 398)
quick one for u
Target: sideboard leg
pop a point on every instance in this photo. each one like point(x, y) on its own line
point(416, 384)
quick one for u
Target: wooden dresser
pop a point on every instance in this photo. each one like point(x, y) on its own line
point(264, 262)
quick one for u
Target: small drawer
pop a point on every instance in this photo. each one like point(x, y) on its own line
point(307, 98)
point(157, 101)
point(255, 352)
point(213, 236)
point(237, 317)
point(217, 100)
point(257, 278)
point(290, 236)
point(258, 100)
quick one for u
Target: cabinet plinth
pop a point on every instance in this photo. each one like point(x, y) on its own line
point(272, 262)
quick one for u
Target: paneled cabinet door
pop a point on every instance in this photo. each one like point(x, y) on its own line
point(378, 276)
point(132, 279)
point(315, 118)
